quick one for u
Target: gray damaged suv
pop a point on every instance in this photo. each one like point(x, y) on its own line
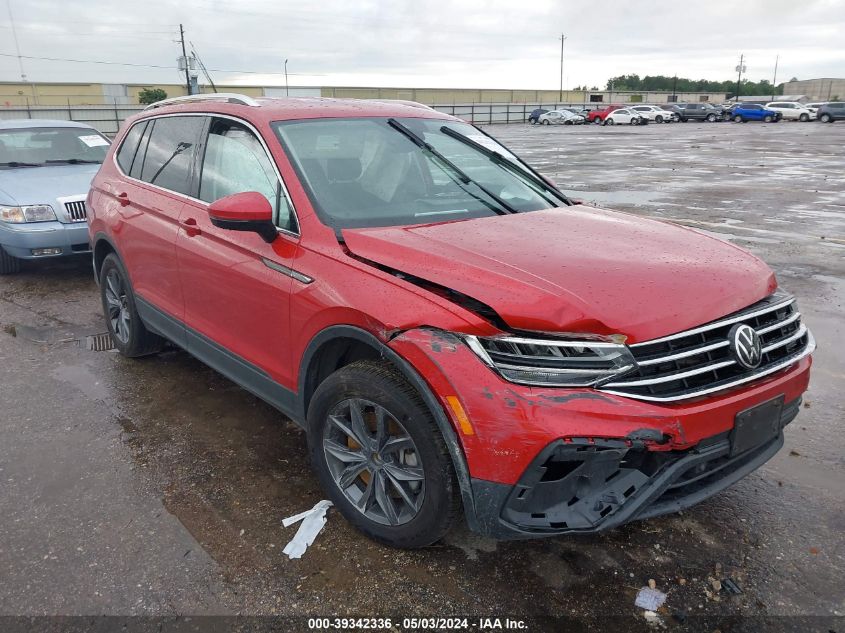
point(46, 169)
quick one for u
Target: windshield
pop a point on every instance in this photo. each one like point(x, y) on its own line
point(38, 146)
point(388, 172)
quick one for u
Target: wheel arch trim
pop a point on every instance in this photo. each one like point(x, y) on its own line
point(453, 445)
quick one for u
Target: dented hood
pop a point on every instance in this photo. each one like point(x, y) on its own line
point(577, 269)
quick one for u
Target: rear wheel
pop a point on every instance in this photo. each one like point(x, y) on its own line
point(380, 457)
point(130, 335)
point(546, 122)
point(8, 264)
point(738, 119)
point(608, 121)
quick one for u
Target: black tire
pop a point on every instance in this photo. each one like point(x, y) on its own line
point(738, 119)
point(131, 338)
point(767, 119)
point(658, 118)
point(608, 121)
point(826, 118)
point(546, 122)
point(804, 118)
point(711, 118)
point(8, 264)
point(379, 383)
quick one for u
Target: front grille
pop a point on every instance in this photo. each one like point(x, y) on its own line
point(699, 361)
point(76, 211)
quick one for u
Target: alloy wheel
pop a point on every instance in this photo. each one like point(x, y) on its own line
point(118, 306)
point(374, 461)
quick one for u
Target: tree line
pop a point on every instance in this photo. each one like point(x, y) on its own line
point(663, 83)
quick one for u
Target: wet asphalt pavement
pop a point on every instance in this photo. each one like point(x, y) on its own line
point(157, 487)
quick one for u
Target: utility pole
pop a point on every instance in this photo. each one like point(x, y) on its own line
point(739, 69)
point(287, 92)
point(775, 78)
point(15, 38)
point(185, 58)
point(562, 40)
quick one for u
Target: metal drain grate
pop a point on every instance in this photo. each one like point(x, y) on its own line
point(99, 342)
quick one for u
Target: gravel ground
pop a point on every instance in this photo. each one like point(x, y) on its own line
point(156, 487)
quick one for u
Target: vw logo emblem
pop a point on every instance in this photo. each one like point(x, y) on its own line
point(745, 345)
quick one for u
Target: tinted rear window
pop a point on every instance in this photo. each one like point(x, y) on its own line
point(129, 148)
point(170, 152)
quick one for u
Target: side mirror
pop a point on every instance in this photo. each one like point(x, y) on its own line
point(247, 211)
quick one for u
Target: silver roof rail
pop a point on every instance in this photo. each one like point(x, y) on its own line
point(228, 97)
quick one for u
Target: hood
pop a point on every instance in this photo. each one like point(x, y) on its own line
point(577, 269)
point(42, 185)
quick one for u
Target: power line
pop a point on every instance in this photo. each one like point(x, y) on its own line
point(97, 61)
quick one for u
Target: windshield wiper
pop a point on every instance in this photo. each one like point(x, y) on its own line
point(15, 163)
point(462, 176)
point(74, 161)
point(501, 161)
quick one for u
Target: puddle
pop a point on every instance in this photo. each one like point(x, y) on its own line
point(630, 198)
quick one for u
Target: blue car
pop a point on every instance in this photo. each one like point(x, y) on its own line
point(46, 169)
point(753, 112)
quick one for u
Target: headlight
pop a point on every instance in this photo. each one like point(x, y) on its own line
point(554, 363)
point(27, 213)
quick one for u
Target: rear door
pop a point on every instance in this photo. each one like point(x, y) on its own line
point(236, 286)
point(159, 181)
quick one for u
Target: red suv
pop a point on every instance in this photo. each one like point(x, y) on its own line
point(450, 329)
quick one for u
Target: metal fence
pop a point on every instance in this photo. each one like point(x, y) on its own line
point(107, 118)
point(489, 113)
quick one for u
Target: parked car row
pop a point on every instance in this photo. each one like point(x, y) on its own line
point(682, 112)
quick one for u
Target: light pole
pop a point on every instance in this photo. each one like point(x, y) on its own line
point(562, 40)
point(739, 69)
point(287, 92)
point(775, 78)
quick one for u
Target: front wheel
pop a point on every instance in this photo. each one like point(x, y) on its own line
point(8, 263)
point(130, 335)
point(546, 122)
point(711, 118)
point(804, 118)
point(658, 119)
point(738, 119)
point(380, 457)
point(767, 119)
point(826, 118)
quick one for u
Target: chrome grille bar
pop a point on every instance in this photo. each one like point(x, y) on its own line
point(672, 377)
point(76, 210)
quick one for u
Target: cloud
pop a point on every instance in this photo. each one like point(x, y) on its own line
point(461, 43)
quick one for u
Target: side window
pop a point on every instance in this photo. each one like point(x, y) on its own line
point(170, 152)
point(129, 148)
point(235, 161)
point(138, 163)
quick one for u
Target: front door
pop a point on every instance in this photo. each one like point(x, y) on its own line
point(236, 286)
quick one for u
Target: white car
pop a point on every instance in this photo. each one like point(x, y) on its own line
point(560, 117)
point(813, 107)
point(624, 116)
point(792, 111)
point(653, 113)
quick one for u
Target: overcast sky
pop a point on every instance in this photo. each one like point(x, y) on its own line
point(424, 43)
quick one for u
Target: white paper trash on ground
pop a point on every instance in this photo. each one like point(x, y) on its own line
point(650, 599)
point(313, 521)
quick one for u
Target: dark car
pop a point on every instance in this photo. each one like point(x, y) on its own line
point(697, 112)
point(830, 112)
point(535, 115)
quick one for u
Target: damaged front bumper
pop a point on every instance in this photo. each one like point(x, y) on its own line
point(587, 486)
